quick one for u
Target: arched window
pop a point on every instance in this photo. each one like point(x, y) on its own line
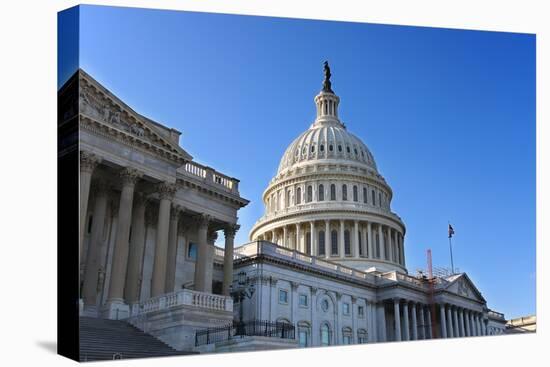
point(344, 192)
point(288, 198)
point(365, 196)
point(386, 247)
point(322, 243)
point(325, 334)
point(348, 150)
point(347, 244)
point(308, 243)
point(303, 334)
point(321, 192)
point(362, 336)
point(334, 242)
point(312, 148)
point(309, 194)
point(333, 192)
point(339, 148)
point(330, 147)
point(346, 336)
point(373, 198)
point(355, 195)
point(322, 148)
point(298, 195)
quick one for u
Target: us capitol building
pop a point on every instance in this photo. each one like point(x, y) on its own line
point(326, 265)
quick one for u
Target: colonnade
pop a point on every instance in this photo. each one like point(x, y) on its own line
point(127, 254)
point(354, 238)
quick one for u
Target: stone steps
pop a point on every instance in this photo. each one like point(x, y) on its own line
point(102, 339)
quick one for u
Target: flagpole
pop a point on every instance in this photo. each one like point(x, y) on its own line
point(451, 249)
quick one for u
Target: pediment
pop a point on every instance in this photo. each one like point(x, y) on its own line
point(98, 104)
point(463, 286)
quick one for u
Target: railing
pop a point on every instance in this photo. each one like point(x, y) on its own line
point(241, 329)
point(210, 176)
point(184, 297)
point(495, 314)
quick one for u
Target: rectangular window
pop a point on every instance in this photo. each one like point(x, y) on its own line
point(283, 296)
point(334, 243)
point(303, 300)
point(360, 311)
point(347, 243)
point(192, 251)
point(302, 337)
point(321, 243)
point(347, 340)
point(345, 308)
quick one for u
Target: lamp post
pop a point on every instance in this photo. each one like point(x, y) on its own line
point(244, 290)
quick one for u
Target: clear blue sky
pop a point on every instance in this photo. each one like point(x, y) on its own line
point(448, 114)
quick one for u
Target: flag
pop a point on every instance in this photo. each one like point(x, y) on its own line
point(451, 231)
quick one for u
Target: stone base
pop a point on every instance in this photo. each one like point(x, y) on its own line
point(89, 311)
point(115, 310)
point(248, 344)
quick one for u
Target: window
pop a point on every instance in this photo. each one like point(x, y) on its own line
point(334, 242)
point(322, 243)
point(346, 340)
point(346, 336)
point(360, 244)
point(365, 196)
point(348, 150)
point(344, 192)
point(321, 193)
point(322, 148)
point(288, 198)
point(377, 246)
point(373, 198)
point(333, 192)
point(360, 311)
point(192, 251)
point(298, 195)
point(308, 243)
point(325, 335)
point(355, 195)
point(339, 148)
point(345, 308)
point(379, 199)
point(347, 243)
point(355, 150)
point(362, 336)
point(283, 296)
point(303, 300)
point(312, 148)
point(330, 147)
point(303, 338)
point(309, 194)
point(324, 305)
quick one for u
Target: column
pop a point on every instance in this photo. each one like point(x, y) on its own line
point(284, 242)
point(356, 242)
point(202, 254)
point(443, 321)
point(137, 245)
point(461, 322)
point(414, 324)
point(338, 327)
point(88, 162)
point(314, 240)
point(390, 255)
point(293, 303)
point(364, 242)
point(381, 242)
point(450, 322)
point(429, 330)
point(485, 332)
point(406, 320)
point(328, 239)
point(471, 323)
point(342, 250)
point(166, 193)
point(299, 246)
point(467, 323)
point(93, 260)
point(397, 319)
point(455, 322)
point(370, 244)
point(402, 242)
point(422, 329)
point(229, 234)
point(119, 264)
point(480, 332)
point(314, 323)
point(381, 321)
point(172, 250)
point(353, 320)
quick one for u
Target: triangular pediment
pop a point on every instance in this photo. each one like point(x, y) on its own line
point(461, 285)
point(100, 105)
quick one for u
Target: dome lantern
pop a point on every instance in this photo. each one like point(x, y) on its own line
point(327, 101)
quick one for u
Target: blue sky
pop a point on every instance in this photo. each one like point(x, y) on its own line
point(449, 116)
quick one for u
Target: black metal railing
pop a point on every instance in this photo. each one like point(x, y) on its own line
point(238, 329)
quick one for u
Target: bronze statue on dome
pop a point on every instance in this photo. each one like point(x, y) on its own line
point(326, 83)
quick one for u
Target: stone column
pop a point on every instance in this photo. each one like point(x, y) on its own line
point(450, 322)
point(422, 329)
point(293, 303)
point(381, 321)
point(93, 260)
point(480, 332)
point(328, 239)
point(338, 327)
point(397, 319)
point(406, 320)
point(115, 300)
point(299, 246)
point(364, 242)
point(443, 321)
point(455, 322)
point(461, 322)
point(429, 334)
point(314, 240)
point(471, 324)
point(166, 193)
point(414, 323)
point(284, 242)
point(137, 244)
point(370, 244)
point(467, 323)
point(172, 252)
point(342, 246)
point(211, 238)
point(390, 255)
point(229, 233)
point(202, 255)
point(88, 162)
point(356, 240)
point(381, 243)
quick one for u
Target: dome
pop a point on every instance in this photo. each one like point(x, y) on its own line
point(326, 141)
point(328, 199)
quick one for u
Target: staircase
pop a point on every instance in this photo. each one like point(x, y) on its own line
point(102, 339)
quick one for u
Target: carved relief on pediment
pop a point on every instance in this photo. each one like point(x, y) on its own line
point(463, 288)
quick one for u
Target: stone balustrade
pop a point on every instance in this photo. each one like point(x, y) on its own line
point(187, 297)
point(209, 176)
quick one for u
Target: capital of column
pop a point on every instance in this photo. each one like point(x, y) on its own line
point(202, 220)
point(230, 230)
point(88, 161)
point(166, 190)
point(212, 237)
point(294, 285)
point(129, 176)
